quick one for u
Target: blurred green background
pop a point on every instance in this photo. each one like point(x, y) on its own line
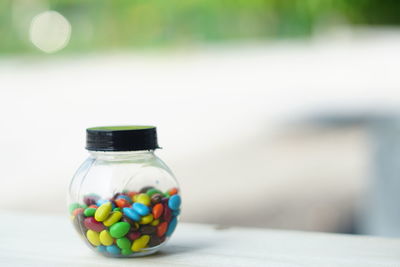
point(125, 24)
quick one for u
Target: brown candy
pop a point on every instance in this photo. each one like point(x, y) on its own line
point(156, 198)
point(155, 241)
point(144, 189)
point(147, 229)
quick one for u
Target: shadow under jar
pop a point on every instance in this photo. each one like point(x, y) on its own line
point(123, 200)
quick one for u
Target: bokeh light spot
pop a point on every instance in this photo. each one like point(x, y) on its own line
point(50, 31)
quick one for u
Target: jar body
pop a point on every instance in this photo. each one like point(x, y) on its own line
point(124, 204)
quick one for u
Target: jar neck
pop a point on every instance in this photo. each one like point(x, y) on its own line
point(117, 155)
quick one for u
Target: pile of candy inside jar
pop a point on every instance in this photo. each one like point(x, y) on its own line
point(130, 222)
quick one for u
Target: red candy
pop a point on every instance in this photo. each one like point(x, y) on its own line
point(162, 228)
point(158, 210)
point(93, 206)
point(167, 213)
point(133, 235)
point(92, 224)
point(77, 211)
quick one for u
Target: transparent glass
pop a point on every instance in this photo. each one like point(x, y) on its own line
point(124, 204)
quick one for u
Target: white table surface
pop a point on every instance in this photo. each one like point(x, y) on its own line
point(32, 240)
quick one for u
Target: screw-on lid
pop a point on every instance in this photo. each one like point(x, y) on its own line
point(121, 138)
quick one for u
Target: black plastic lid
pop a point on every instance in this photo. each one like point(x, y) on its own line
point(121, 138)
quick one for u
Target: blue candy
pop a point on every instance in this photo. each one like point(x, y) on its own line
point(141, 209)
point(113, 249)
point(125, 197)
point(131, 214)
point(101, 248)
point(174, 202)
point(171, 226)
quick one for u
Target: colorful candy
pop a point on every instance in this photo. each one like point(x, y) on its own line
point(143, 210)
point(129, 222)
point(114, 217)
point(92, 224)
point(140, 243)
point(103, 211)
point(119, 229)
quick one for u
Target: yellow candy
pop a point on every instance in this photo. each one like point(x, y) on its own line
point(105, 238)
point(144, 199)
point(113, 218)
point(103, 211)
point(134, 197)
point(140, 243)
point(146, 219)
point(155, 222)
point(93, 237)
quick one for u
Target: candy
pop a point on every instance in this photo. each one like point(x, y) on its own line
point(113, 249)
point(153, 191)
point(126, 251)
point(141, 209)
point(148, 229)
point(172, 226)
point(124, 243)
point(131, 214)
point(133, 235)
point(114, 217)
point(90, 199)
point(140, 243)
point(92, 224)
point(93, 237)
point(162, 229)
point(156, 198)
point(146, 219)
point(101, 248)
point(127, 228)
point(155, 241)
point(122, 203)
point(173, 191)
point(144, 199)
point(119, 229)
point(145, 189)
point(89, 212)
point(174, 202)
point(77, 211)
point(73, 207)
point(124, 197)
point(105, 238)
point(167, 214)
point(103, 211)
point(155, 222)
point(158, 210)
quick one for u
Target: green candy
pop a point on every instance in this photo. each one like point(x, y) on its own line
point(116, 209)
point(153, 191)
point(126, 251)
point(89, 212)
point(73, 207)
point(167, 195)
point(124, 243)
point(119, 229)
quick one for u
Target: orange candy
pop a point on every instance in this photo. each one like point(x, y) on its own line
point(173, 191)
point(77, 211)
point(93, 206)
point(162, 228)
point(158, 210)
point(122, 203)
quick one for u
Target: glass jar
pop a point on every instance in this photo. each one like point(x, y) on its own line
point(123, 200)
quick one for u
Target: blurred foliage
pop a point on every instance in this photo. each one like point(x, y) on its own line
point(116, 24)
